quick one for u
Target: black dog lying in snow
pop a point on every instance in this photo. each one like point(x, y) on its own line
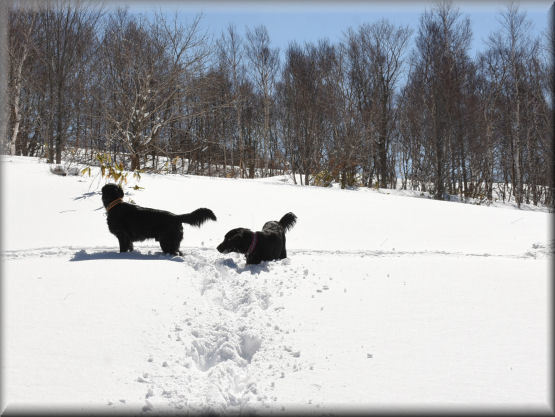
point(131, 223)
point(267, 245)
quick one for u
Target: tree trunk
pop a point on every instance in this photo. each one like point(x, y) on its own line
point(135, 162)
point(241, 144)
point(17, 117)
point(382, 144)
point(266, 132)
point(59, 124)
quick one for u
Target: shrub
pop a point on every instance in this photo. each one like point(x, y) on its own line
point(113, 171)
point(323, 179)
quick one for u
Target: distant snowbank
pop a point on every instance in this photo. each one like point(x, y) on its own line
point(497, 202)
point(182, 166)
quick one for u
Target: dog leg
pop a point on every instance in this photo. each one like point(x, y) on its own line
point(251, 260)
point(170, 240)
point(283, 253)
point(169, 247)
point(125, 243)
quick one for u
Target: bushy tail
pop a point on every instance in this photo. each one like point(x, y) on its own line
point(288, 221)
point(197, 217)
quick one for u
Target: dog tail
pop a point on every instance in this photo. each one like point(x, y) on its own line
point(288, 221)
point(197, 217)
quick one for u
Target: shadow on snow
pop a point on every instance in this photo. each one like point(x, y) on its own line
point(87, 195)
point(82, 255)
point(253, 269)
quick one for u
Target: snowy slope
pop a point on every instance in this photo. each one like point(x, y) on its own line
point(384, 302)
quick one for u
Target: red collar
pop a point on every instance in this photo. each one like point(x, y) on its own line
point(253, 243)
point(114, 203)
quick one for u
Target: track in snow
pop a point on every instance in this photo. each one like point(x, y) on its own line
point(153, 252)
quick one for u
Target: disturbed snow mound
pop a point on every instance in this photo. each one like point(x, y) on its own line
point(226, 341)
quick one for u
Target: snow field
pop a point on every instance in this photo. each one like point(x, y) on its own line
point(383, 303)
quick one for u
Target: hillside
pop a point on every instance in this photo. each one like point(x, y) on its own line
point(384, 301)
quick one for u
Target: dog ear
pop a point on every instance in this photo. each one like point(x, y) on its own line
point(120, 192)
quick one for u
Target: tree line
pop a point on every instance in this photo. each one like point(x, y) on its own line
point(159, 94)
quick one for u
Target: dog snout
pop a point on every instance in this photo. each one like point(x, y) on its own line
point(222, 248)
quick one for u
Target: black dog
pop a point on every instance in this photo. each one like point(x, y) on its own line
point(267, 245)
point(131, 223)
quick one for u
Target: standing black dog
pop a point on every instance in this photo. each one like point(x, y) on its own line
point(131, 223)
point(267, 245)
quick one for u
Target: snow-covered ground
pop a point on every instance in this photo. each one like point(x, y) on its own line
point(386, 302)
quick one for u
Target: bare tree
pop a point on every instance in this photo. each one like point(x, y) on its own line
point(515, 50)
point(264, 62)
point(22, 23)
point(382, 45)
point(360, 80)
point(150, 65)
point(308, 97)
point(230, 48)
point(438, 74)
point(68, 29)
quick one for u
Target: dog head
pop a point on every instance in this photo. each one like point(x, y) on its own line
point(111, 192)
point(236, 240)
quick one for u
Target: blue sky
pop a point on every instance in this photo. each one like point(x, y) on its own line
point(314, 20)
